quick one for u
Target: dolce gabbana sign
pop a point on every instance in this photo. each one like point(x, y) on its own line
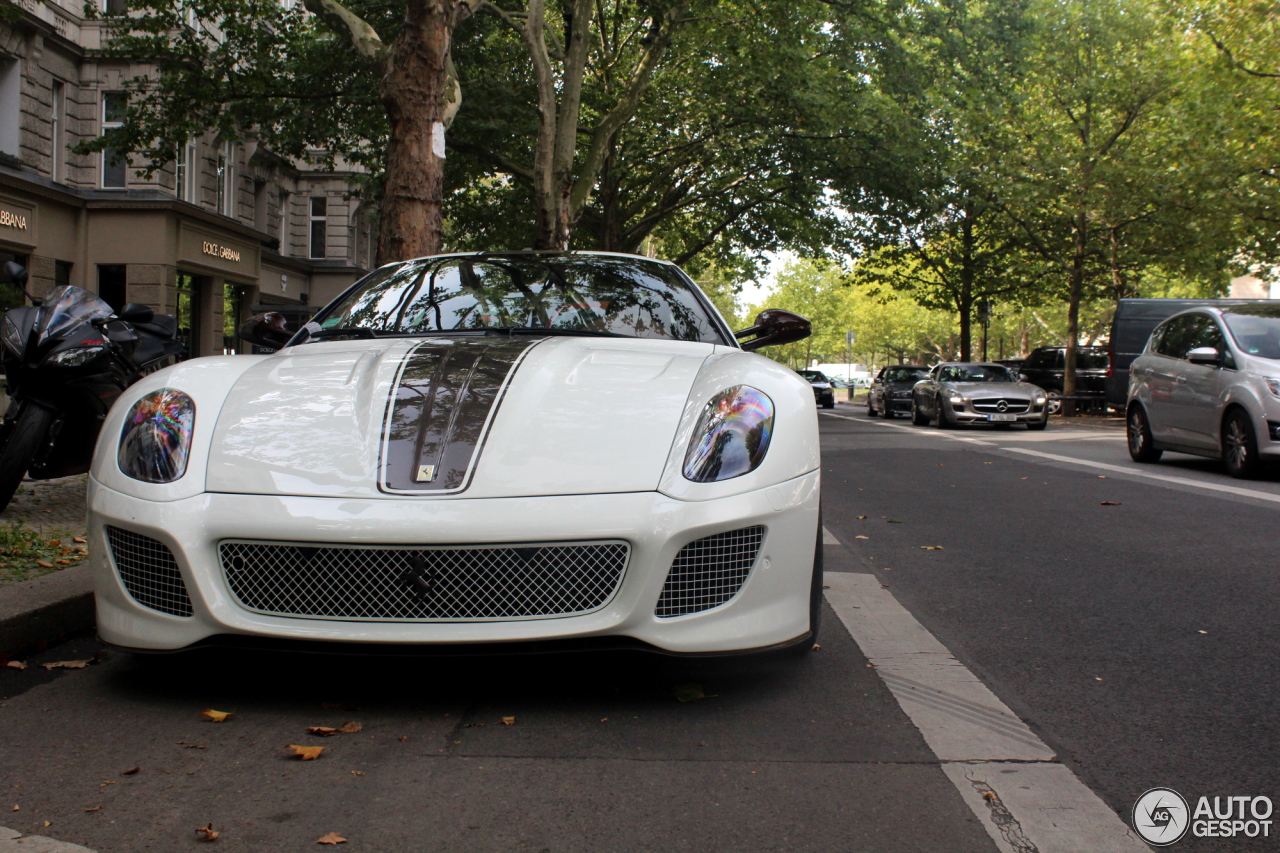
point(225, 252)
point(13, 220)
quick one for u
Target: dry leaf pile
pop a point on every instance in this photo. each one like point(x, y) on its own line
point(24, 554)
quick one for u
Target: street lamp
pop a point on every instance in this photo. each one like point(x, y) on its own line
point(984, 317)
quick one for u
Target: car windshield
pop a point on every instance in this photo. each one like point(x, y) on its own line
point(600, 295)
point(1256, 329)
point(813, 375)
point(904, 374)
point(975, 373)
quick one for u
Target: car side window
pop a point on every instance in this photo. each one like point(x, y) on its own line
point(1176, 333)
point(1209, 334)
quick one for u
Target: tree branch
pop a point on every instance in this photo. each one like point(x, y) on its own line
point(358, 32)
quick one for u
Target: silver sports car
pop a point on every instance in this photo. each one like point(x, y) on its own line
point(977, 393)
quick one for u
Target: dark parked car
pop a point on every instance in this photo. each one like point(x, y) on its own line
point(1047, 366)
point(890, 393)
point(1132, 326)
point(823, 392)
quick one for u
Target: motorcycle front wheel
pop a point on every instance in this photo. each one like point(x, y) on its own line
point(28, 431)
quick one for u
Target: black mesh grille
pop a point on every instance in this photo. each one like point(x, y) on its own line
point(710, 571)
point(149, 572)
point(424, 583)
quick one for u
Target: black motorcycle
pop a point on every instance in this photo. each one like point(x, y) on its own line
point(66, 361)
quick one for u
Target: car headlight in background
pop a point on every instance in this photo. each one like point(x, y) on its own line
point(732, 436)
point(956, 400)
point(76, 356)
point(1040, 399)
point(1273, 385)
point(12, 337)
point(156, 438)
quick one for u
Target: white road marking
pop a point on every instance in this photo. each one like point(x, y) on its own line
point(829, 538)
point(1040, 807)
point(12, 841)
point(1138, 472)
point(1088, 463)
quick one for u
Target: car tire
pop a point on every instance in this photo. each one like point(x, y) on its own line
point(1240, 445)
point(887, 414)
point(829, 404)
point(941, 421)
point(1138, 434)
point(917, 417)
point(1054, 403)
point(871, 411)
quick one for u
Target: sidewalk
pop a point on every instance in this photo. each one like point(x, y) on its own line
point(43, 513)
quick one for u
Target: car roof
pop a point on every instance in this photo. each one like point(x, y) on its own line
point(531, 253)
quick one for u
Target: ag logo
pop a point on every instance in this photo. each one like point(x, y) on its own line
point(1161, 816)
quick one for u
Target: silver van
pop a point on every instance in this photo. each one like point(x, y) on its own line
point(1208, 383)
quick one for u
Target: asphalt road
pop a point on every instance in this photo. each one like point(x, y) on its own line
point(1083, 618)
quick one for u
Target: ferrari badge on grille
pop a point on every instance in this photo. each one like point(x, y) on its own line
point(426, 473)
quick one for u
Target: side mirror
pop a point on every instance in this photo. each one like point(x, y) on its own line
point(773, 327)
point(15, 273)
point(1205, 355)
point(135, 313)
point(1022, 377)
point(266, 330)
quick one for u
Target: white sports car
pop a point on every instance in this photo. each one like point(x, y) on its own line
point(556, 449)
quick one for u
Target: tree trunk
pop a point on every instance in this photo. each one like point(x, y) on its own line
point(413, 93)
point(1073, 312)
point(966, 285)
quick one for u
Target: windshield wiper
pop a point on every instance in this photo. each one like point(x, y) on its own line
point(556, 330)
point(343, 332)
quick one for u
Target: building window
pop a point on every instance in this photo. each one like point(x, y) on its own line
point(233, 304)
point(113, 163)
point(12, 296)
point(10, 104)
point(115, 7)
point(226, 180)
point(55, 131)
point(184, 172)
point(189, 314)
point(319, 225)
point(111, 285)
point(61, 273)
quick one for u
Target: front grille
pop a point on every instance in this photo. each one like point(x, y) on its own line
point(149, 572)
point(992, 405)
point(424, 583)
point(710, 571)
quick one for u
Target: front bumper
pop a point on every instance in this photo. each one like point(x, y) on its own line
point(1037, 414)
point(771, 608)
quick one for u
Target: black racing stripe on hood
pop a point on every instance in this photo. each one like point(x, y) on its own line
point(439, 406)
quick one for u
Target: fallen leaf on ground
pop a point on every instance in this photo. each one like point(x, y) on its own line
point(350, 728)
point(216, 716)
point(54, 543)
point(130, 771)
point(48, 823)
point(321, 731)
point(208, 833)
point(17, 664)
point(307, 753)
point(1202, 632)
point(78, 539)
point(403, 738)
point(44, 563)
point(357, 772)
point(894, 521)
point(931, 547)
point(66, 664)
point(94, 809)
point(15, 807)
point(1102, 476)
point(1110, 503)
point(63, 562)
point(508, 721)
point(816, 648)
point(604, 719)
point(862, 537)
point(862, 516)
point(689, 692)
point(331, 838)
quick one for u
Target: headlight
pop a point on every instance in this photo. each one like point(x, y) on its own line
point(156, 438)
point(957, 400)
point(76, 356)
point(1273, 385)
point(1040, 399)
point(732, 436)
point(12, 337)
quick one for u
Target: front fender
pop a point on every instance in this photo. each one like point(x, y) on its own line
point(207, 381)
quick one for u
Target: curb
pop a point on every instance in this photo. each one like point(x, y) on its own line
point(41, 611)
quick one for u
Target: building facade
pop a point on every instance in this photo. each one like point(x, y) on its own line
point(223, 229)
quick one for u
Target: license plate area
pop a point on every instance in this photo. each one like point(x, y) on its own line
point(999, 418)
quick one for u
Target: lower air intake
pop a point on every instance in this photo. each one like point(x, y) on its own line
point(710, 571)
point(149, 572)
point(424, 583)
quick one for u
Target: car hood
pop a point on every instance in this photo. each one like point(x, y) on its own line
point(1018, 390)
point(470, 416)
